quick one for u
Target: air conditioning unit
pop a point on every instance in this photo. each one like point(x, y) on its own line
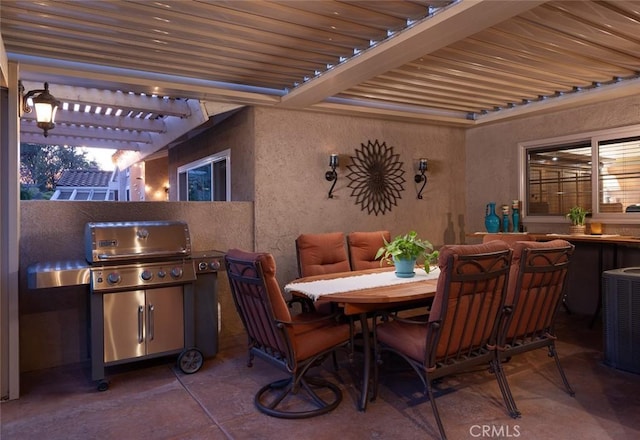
point(621, 314)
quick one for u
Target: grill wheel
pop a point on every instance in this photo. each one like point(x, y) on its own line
point(190, 360)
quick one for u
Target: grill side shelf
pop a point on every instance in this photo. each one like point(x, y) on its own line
point(58, 274)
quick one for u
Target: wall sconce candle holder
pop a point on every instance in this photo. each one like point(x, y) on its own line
point(332, 175)
point(46, 106)
point(421, 177)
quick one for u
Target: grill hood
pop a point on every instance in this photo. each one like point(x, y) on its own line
point(125, 241)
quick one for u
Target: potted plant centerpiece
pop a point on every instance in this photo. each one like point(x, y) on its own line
point(404, 251)
point(577, 216)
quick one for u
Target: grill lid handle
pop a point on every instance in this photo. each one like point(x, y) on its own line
point(138, 255)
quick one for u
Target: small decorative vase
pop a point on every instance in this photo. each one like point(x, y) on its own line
point(491, 219)
point(577, 229)
point(516, 219)
point(405, 268)
point(505, 223)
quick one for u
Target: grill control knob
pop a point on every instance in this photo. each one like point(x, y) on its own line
point(146, 275)
point(176, 272)
point(162, 273)
point(114, 278)
point(202, 265)
point(215, 264)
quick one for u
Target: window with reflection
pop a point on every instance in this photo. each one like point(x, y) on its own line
point(208, 179)
point(619, 175)
point(559, 178)
point(599, 172)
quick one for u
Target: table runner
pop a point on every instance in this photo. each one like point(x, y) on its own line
point(315, 289)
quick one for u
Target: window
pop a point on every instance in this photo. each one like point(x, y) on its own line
point(208, 179)
point(619, 177)
point(598, 171)
point(559, 178)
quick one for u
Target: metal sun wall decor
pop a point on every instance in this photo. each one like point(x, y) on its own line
point(376, 177)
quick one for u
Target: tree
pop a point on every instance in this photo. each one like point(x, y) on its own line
point(42, 165)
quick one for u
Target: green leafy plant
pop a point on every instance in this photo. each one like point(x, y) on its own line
point(408, 247)
point(577, 215)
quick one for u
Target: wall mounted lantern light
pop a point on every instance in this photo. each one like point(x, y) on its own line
point(332, 175)
point(45, 105)
point(421, 177)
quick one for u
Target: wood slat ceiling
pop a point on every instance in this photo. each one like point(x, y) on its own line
point(461, 63)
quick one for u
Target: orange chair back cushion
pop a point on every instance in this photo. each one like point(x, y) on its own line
point(463, 301)
point(321, 254)
point(363, 247)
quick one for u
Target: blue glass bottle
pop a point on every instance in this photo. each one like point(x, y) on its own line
point(516, 219)
point(505, 223)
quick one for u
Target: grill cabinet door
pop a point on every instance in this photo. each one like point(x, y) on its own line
point(124, 318)
point(139, 323)
point(165, 319)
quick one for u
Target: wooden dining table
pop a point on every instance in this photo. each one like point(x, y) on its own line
point(360, 293)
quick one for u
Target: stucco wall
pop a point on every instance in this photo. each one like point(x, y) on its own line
point(156, 179)
point(279, 157)
point(492, 175)
point(54, 322)
point(235, 132)
point(492, 150)
point(292, 155)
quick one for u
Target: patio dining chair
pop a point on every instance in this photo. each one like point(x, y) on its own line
point(294, 344)
point(363, 247)
point(461, 326)
point(319, 254)
point(536, 290)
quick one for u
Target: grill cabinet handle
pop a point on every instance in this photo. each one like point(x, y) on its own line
point(151, 331)
point(140, 324)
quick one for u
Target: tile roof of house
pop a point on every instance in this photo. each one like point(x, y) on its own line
point(85, 178)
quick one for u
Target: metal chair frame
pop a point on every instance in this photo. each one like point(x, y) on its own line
point(472, 296)
point(270, 339)
point(539, 287)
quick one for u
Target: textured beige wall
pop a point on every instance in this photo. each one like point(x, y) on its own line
point(156, 179)
point(279, 158)
point(289, 153)
point(492, 151)
point(234, 133)
point(291, 157)
point(492, 175)
point(54, 322)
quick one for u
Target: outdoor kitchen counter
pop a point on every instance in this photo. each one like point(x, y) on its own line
point(611, 251)
point(47, 275)
point(603, 238)
point(612, 242)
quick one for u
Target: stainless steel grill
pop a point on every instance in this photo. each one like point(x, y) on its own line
point(138, 255)
point(150, 295)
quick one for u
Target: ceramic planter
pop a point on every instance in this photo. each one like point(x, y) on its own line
point(405, 268)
